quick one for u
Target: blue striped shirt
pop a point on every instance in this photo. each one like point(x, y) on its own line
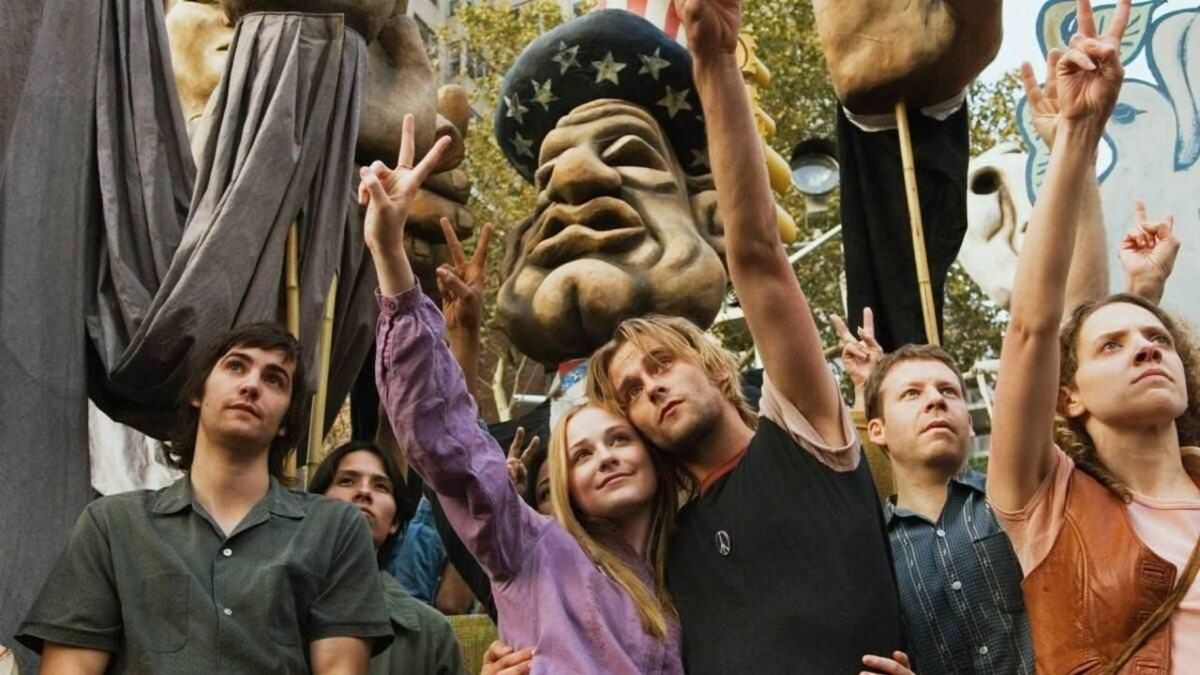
point(960, 586)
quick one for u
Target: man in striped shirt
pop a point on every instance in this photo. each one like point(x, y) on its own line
point(958, 578)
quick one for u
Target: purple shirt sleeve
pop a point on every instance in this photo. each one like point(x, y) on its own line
point(434, 420)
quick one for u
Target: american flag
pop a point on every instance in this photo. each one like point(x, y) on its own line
point(661, 13)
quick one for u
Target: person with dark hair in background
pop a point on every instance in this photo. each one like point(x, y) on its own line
point(364, 475)
point(225, 570)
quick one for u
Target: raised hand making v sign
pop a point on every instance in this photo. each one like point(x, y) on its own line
point(387, 194)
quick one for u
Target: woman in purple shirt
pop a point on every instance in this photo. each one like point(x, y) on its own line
point(586, 590)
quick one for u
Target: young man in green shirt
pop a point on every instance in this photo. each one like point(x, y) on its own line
point(225, 570)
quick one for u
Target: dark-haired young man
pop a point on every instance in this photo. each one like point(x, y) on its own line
point(362, 474)
point(225, 570)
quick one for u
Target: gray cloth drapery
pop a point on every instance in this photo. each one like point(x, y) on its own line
point(117, 256)
point(279, 148)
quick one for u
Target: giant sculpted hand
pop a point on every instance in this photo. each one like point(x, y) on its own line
point(920, 51)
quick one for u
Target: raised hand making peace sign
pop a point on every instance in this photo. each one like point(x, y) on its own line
point(387, 193)
point(460, 282)
point(1089, 74)
point(519, 457)
point(1043, 100)
point(861, 353)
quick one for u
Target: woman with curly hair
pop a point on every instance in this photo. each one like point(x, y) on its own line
point(1105, 524)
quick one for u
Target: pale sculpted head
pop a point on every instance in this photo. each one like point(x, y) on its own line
point(616, 233)
point(998, 212)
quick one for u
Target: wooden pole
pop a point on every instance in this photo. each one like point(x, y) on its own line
point(291, 276)
point(925, 286)
point(316, 421)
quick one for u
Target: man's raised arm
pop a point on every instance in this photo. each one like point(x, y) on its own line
point(776, 310)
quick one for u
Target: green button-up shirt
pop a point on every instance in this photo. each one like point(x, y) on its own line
point(425, 642)
point(149, 576)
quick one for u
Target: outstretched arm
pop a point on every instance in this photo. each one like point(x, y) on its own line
point(776, 310)
point(1089, 78)
point(422, 387)
point(1088, 278)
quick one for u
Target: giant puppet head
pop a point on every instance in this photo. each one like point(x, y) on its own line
point(601, 115)
point(922, 51)
point(400, 80)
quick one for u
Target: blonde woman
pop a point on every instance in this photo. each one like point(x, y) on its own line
point(584, 589)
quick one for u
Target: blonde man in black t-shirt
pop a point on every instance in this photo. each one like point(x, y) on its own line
point(779, 563)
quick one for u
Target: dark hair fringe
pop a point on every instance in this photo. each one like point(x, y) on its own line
point(263, 335)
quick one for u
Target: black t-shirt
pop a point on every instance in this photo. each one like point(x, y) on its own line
point(783, 566)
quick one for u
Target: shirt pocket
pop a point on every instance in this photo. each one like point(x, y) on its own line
point(164, 609)
point(1000, 569)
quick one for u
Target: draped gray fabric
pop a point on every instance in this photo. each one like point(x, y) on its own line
point(49, 208)
point(117, 256)
point(19, 20)
point(279, 149)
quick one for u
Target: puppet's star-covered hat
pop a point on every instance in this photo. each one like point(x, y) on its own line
point(608, 53)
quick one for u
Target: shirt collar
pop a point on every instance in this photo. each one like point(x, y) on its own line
point(967, 479)
point(401, 606)
point(175, 497)
point(278, 501)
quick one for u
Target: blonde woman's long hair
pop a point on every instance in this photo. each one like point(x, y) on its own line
point(654, 606)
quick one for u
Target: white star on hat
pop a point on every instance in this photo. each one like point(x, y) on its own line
point(674, 101)
point(516, 110)
point(608, 69)
point(542, 93)
point(653, 64)
point(523, 145)
point(566, 57)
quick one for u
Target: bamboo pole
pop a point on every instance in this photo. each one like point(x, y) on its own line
point(291, 276)
point(316, 421)
point(925, 286)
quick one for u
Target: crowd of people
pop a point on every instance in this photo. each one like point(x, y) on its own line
point(668, 525)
